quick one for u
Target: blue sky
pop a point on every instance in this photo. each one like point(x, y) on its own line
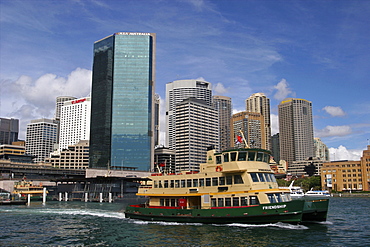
point(315, 50)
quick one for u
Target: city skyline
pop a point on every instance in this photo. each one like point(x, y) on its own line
point(316, 50)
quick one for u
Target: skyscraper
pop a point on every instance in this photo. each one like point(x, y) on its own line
point(223, 106)
point(9, 129)
point(321, 150)
point(41, 137)
point(196, 130)
point(178, 91)
point(252, 126)
point(258, 102)
point(122, 121)
point(296, 130)
point(74, 122)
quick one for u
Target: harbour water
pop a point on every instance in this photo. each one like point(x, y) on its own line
point(104, 224)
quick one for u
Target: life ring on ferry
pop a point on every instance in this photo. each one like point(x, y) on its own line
point(218, 169)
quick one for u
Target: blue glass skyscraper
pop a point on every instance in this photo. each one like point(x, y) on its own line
point(122, 121)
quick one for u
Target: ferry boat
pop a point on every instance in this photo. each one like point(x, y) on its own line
point(24, 188)
point(233, 186)
point(318, 193)
point(295, 191)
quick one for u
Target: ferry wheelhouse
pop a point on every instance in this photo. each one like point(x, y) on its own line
point(233, 186)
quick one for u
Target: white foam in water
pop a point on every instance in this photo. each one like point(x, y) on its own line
point(164, 223)
point(279, 225)
point(104, 214)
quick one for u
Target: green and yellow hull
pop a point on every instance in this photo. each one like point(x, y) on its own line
point(287, 212)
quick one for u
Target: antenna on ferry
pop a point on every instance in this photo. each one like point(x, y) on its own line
point(244, 140)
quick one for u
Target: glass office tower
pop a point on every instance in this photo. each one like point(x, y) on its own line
point(122, 122)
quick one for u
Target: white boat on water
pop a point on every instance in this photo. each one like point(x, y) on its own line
point(318, 193)
point(295, 191)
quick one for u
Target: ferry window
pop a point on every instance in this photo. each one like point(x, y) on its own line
point(166, 183)
point(243, 201)
point(228, 202)
point(251, 156)
point(160, 184)
point(167, 202)
point(233, 156)
point(177, 183)
point(254, 177)
point(220, 202)
point(201, 182)
point(218, 159)
point(208, 181)
point(236, 201)
point(261, 178)
point(188, 182)
point(172, 184)
point(242, 156)
point(214, 181)
point(183, 184)
point(173, 203)
point(213, 202)
point(155, 184)
point(238, 179)
point(226, 157)
point(229, 180)
point(278, 195)
point(195, 182)
point(254, 200)
point(272, 198)
point(272, 177)
point(221, 180)
point(259, 156)
point(161, 202)
point(266, 158)
point(267, 177)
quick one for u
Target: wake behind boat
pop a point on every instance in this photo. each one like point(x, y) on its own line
point(234, 186)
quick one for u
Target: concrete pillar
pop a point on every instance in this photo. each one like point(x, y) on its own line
point(28, 199)
point(66, 196)
point(101, 197)
point(86, 197)
point(44, 196)
point(110, 197)
point(60, 196)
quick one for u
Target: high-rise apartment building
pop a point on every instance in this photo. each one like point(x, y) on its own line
point(296, 130)
point(178, 91)
point(60, 103)
point(258, 102)
point(9, 129)
point(74, 122)
point(122, 108)
point(275, 147)
point(58, 107)
point(157, 104)
point(223, 106)
point(321, 150)
point(41, 137)
point(251, 124)
point(196, 128)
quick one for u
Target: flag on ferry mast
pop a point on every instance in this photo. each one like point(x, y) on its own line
point(239, 139)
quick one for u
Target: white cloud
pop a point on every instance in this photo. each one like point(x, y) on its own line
point(329, 131)
point(219, 89)
point(342, 153)
point(283, 90)
point(274, 124)
point(28, 99)
point(334, 111)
